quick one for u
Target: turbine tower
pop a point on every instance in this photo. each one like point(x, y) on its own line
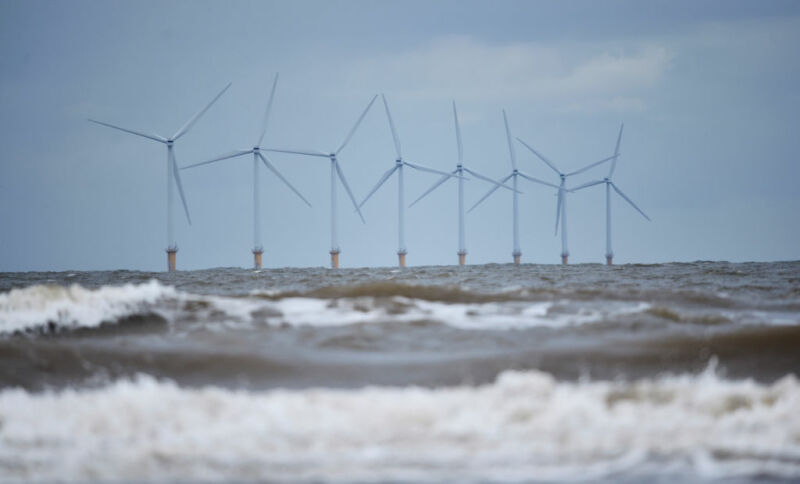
point(173, 176)
point(516, 253)
point(609, 185)
point(258, 158)
point(336, 172)
point(459, 172)
point(399, 163)
point(561, 207)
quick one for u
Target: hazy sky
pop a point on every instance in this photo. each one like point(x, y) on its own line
point(708, 92)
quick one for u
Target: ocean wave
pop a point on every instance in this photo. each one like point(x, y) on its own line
point(468, 316)
point(52, 308)
point(524, 426)
point(428, 292)
point(69, 307)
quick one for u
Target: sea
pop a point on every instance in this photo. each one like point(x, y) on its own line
point(679, 372)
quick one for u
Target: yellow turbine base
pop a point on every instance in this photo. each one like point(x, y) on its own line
point(171, 260)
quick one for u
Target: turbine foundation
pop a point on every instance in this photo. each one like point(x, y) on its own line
point(401, 258)
point(564, 259)
point(335, 259)
point(517, 256)
point(171, 258)
point(609, 260)
point(257, 257)
point(462, 257)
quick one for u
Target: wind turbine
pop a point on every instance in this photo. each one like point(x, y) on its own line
point(172, 173)
point(258, 155)
point(561, 208)
point(517, 253)
point(336, 171)
point(459, 172)
point(398, 167)
point(609, 185)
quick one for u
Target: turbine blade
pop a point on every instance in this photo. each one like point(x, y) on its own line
point(347, 189)
point(492, 190)
point(228, 156)
point(394, 131)
point(628, 200)
point(541, 157)
point(176, 172)
point(458, 135)
point(616, 150)
point(299, 152)
point(511, 149)
point(487, 179)
point(429, 170)
point(536, 180)
point(558, 208)
point(186, 127)
point(284, 180)
point(269, 108)
point(355, 126)
point(153, 137)
point(433, 187)
point(586, 185)
point(592, 165)
point(382, 180)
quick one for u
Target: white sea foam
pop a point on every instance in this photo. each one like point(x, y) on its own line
point(76, 306)
point(524, 426)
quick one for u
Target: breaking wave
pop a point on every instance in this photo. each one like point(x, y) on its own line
point(524, 426)
point(48, 308)
point(70, 307)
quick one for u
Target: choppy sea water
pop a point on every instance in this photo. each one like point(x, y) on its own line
point(493, 373)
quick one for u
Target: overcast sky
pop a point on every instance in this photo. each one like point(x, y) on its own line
point(708, 92)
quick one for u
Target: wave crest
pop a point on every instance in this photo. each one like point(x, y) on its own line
point(55, 307)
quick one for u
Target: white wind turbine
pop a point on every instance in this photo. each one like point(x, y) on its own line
point(609, 185)
point(517, 253)
point(459, 172)
point(561, 208)
point(336, 171)
point(172, 173)
point(258, 158)
point(398, 167)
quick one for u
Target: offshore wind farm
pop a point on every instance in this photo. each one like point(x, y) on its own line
point(372, 290)
point(399, 164)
